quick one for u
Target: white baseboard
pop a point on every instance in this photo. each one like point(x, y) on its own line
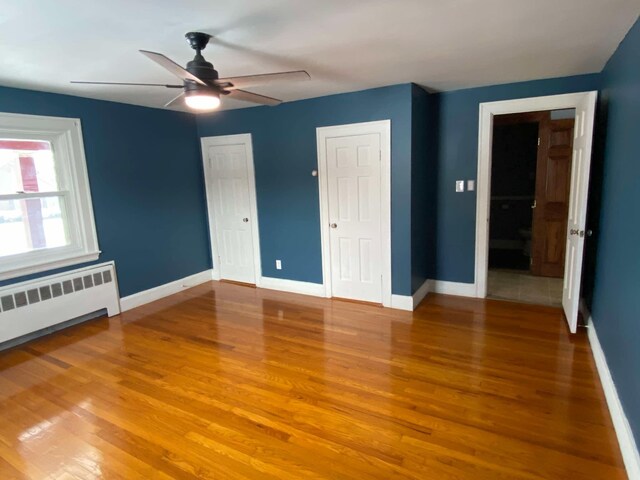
point(156, 293)
point(454, 288)
point(410, 303)
point(422, 292)
point(293, 286)
point(402, 302)
point(623, 430)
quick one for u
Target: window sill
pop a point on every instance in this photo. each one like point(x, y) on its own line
point(48, 265)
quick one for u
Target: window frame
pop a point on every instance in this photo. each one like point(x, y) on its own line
point(65, 136)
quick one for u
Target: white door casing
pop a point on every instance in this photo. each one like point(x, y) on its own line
point(576, 224)
point(584, 103)
point(231, 201)
point(354, 176)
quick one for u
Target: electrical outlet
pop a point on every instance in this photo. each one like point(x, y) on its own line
point(278, 265)
point(471, 185)
point(459, 185)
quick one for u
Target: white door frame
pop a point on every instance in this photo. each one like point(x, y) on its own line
point(382, 127)
point(245, 140)
point(485, 139)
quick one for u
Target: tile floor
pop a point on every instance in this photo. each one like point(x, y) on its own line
point(523, 287)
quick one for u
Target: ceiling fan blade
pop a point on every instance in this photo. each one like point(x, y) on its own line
point(254, 97)
point(175, 100)
point(172, 66)
point(133, 84)
point(263, 79)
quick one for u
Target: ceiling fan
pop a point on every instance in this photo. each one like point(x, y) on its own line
point(202, 88)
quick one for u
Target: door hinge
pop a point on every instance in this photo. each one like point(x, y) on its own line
point(538, 141)
point(380, 155)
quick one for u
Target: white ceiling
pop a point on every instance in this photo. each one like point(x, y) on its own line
point(345, 45)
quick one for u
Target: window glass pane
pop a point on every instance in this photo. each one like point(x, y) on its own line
point(26, 166)
point(31, 224)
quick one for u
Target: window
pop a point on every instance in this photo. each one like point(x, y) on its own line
point(46, 217)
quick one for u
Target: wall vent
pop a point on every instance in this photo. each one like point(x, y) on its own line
point(30, 306)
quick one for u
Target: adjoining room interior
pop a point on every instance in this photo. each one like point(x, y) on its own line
point(323, 240)
point(530, 187)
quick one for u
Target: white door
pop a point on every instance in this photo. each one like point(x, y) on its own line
point(583, 136)
point(228, 189)
point(354, 198)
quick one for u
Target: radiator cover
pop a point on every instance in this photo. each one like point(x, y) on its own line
point(33, 305)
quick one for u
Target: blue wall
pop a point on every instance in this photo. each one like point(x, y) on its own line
point(458, 160)
point(616, 294)
point(146, 184)
point(424, 154)
point(284, 147)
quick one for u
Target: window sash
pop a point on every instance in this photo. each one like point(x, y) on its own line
point(28, 195)
point(66, 213)
point(59, 147)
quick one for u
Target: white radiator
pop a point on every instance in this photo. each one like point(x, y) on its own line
point(34, 305)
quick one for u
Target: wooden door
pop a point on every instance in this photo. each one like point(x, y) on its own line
point(553, 186)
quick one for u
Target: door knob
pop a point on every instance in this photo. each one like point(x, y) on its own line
point(334, 225)
point(245, 220)
point(589, 233)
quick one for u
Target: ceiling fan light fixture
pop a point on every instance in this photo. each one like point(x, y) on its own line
point(202, 100)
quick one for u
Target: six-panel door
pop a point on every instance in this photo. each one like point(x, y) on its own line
point(582, 142)
point(353, 175)
point(231, 212)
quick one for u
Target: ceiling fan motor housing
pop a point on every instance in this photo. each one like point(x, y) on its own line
point(202, 69)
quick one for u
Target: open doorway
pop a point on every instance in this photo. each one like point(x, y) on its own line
point(584, 104)
point(530, 187)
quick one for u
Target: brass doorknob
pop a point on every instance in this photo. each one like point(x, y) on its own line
point(245, 220)
point(334, 225)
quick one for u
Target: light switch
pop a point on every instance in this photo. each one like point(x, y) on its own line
point(459, 185)
point(278, 265)
point(471, 185)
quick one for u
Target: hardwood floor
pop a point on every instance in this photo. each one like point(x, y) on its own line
point(224, 381)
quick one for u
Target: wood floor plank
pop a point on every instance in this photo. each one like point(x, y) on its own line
point(225, 381)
